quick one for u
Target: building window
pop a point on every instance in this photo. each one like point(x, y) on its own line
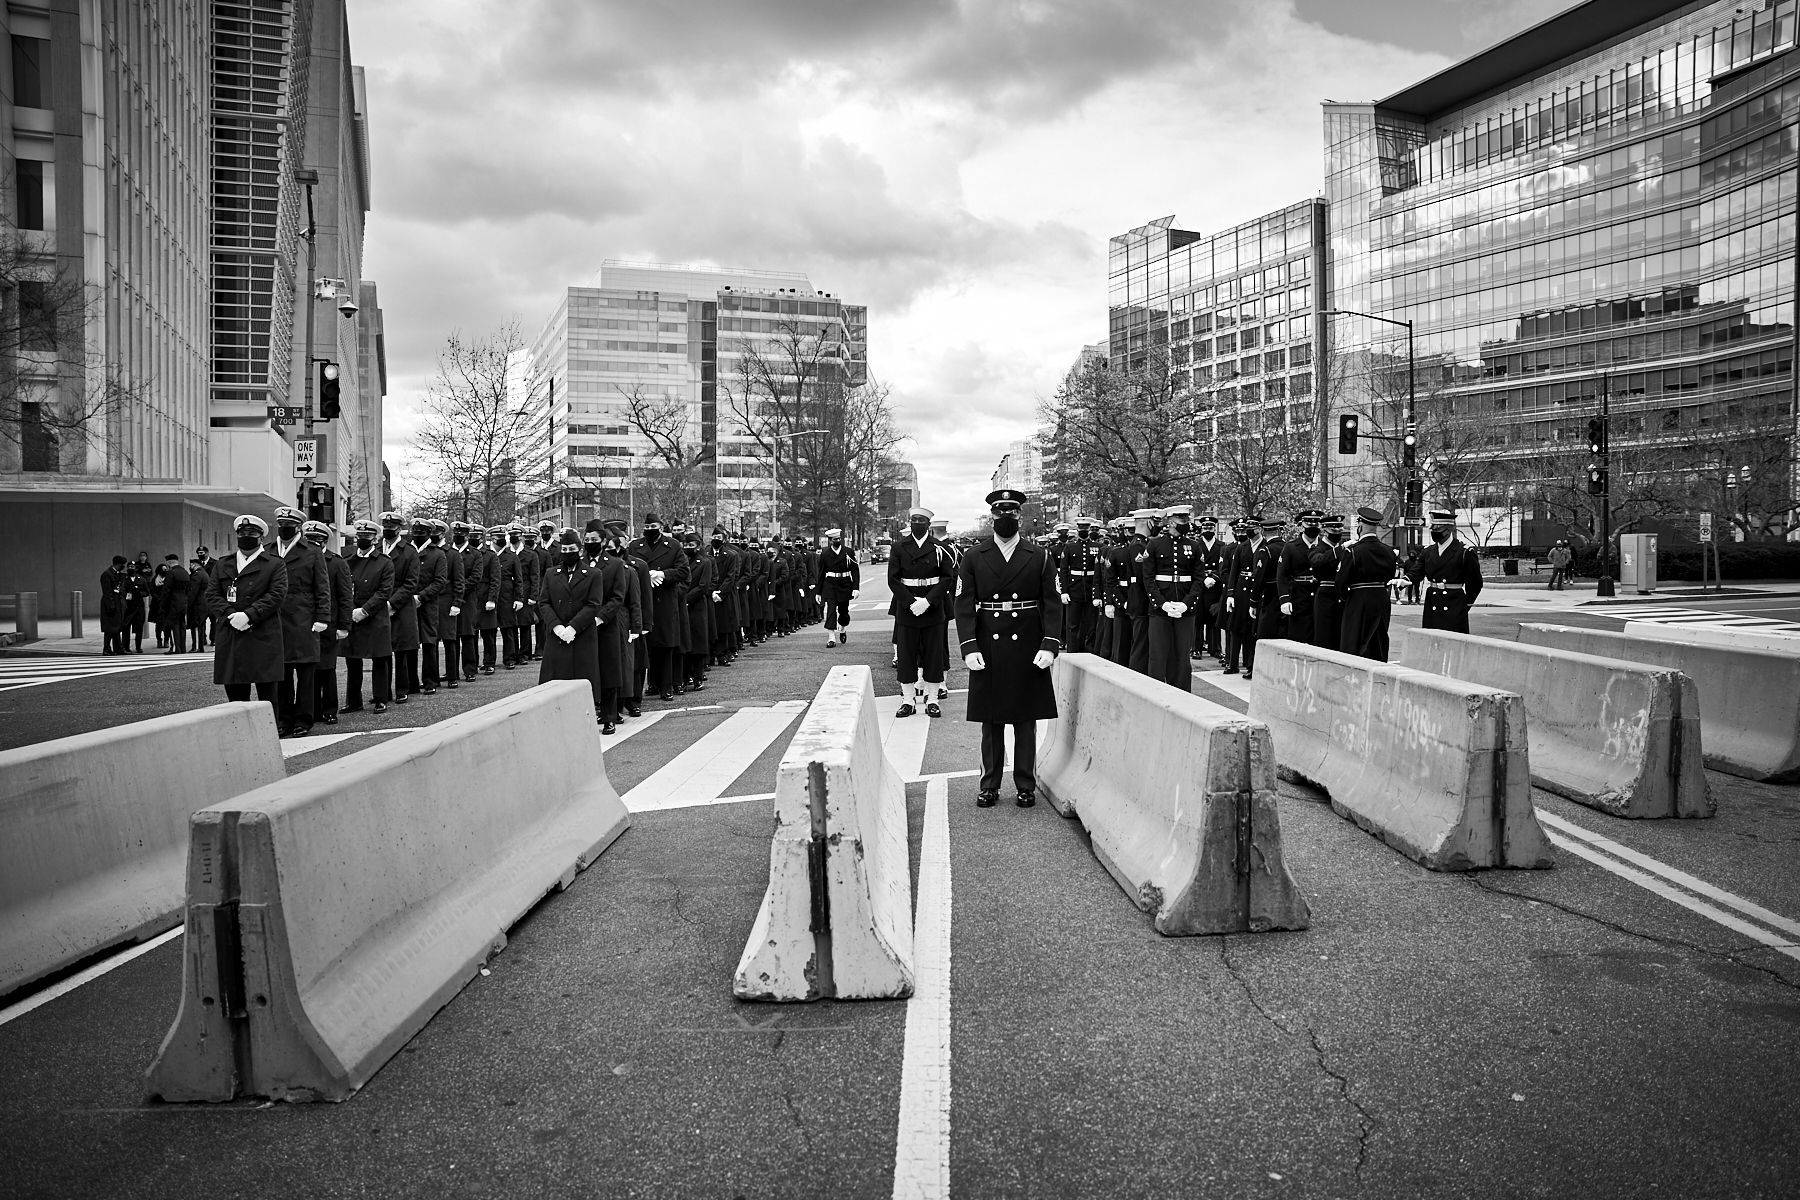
point(37, 323)
point(1226, 344)
point(28, 191)
point(31, 72)
point(1299, 385)
point(1251, 337)
point(1301, 355)
point(37, 445)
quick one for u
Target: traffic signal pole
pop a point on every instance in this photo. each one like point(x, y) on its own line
point(1604, 585)
point(312, 263)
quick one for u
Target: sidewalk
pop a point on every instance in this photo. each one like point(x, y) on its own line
point(1531, 593)
point(54, 639)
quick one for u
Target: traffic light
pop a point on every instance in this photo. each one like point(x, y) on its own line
point(1596, 437)
point(1409, 446)
point(321, 503)
point(1596, 480)
point(329, 407)
point(1415, 497)
point(1348, 424)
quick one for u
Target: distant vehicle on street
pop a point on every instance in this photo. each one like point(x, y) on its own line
point(879, 552)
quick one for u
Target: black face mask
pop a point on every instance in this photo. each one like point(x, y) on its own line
point(288, 530)
point(1182, 528)
point(365, 541)
point(1440, 536)
point(570, 554)
point(249, 541)
point(389, 533)
point(652, 535)
point(1007, 526)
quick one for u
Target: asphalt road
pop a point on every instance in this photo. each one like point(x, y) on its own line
point(1500, 1033)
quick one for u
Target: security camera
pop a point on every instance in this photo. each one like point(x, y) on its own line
point(346, 306)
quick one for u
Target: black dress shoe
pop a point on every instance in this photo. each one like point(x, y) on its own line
point(699, 685)
point(905, 710)
point(302, 730)
point(351, 708)
point(668, 695)
point(609, 728)
point(468, 679)
point(427, 691)
point(1229, 671)
point(932, 710)
point(329, 719)
point(1246, 677)
point(378, 707)
point(451, 684)
point(1026, 799)
point(986, 799)
point(634, 711)
point(400, 699)
point(487, 670)
point(283, 731)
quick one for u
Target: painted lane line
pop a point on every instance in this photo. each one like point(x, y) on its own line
point(904, 740)
point(294, 747)
point(701, 773)
point(1235, 685)
point(922, 1149)
point(1672, 874)
point(86, 975)
point(934, 777)
point(1755, 933)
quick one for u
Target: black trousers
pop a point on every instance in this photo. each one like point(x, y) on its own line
point(325, 685)
point(693, 668)
point(1300, 624)
point(428, 665)
point(921, 650)
point(487, 648)
point(471, 654)
point(298, 701)
point(1171, 640)
point(1140, 644)
point(837, 609)
point(1327, 619)
point(406, 672)
point(382, 685)
point(1080, 623)
point(264, 691)
point(640, 667)
point(665, 668)
point(993, 755)
point(509, 645)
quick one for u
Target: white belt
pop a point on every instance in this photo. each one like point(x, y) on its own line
point(837, 574)
point(932, 582)
point(1175, 579)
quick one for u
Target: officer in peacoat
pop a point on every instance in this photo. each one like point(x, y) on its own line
point(244, 597)
point(403, 605)
point(667, 567)
point(305, 614)
point(371, 629)
point(1007, 613)
point(325, 684)
point(434, 584)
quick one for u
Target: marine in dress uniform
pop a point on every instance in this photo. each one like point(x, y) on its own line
point(434, 585)
point(305, 614)
point(1328, 606)
point(1081, 584)
point(403, 605)
point(1007, 611)
point(1362, 582)
point(1210, 552)
point(1145, 524)
point(1452, 574)
point(244, 596)
point(371, 621)
point(920, 574)
point(1172, 580)
point(337, 571)
point(1296, 583)
point(839, 581)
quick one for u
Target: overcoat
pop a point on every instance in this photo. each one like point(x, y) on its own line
point(1362, 582)
point(930, 562)
point(1454, 563)
point(449, 627)
point(475, 595)
point(198, 581)
point(403, 604)
point(487, 565)
point(371, 587)
point(664, 613)
point(331, 642)
point(308, 600)
point(512, 590)
point(1009, 690)
point(699, 603)
point(618, 606)
point(174, 600)
point(254, 655)
point(571, 596)
point(434, 583)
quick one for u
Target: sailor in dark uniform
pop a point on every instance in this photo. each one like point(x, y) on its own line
point(919, 574)
point(1007, 612)
point(1452, 574)
point(1211, 617)
point(1362, 582)
point(839, 580)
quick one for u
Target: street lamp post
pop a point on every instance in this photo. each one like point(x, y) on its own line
point(1412, 412)
point(775, 474)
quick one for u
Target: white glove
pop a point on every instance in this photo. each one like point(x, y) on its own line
point(1171, 609)
point(631, 637)
point(358, 615)
point(566, 633)
point(320, 627)
point(342, 634)
point(455, 611)
point(240, 621)
point(1096, 604)
point(1287, 608)
point(1111, 612)
point(1066, 599)
point(1230, 603)
point(919, 606)
point(854, 593)
point(1212, 581)
point(518, 604)
point(1042, 659)
point(490, 606)
point(974, 661)
point(656, 578)
point(715, 597)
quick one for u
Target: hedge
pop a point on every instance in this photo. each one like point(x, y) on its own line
point(1737, 560)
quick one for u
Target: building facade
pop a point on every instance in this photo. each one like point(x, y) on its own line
point(643, 380)
point(1600, 210)
point(152, 242)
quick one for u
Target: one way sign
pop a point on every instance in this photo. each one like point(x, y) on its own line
point(306, 456)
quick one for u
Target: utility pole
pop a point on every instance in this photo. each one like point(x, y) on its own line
point(309, 178)
point(1600, 480)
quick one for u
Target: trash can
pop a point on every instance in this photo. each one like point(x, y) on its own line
point(1509, 566)
point(27, 617)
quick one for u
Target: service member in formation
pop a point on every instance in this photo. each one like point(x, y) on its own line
point(697, 599)
point(667, 567)
point(643, 616)
point(305, 614)
point(1240, 599)
point(919, 577)
point(465, 545)
point(1210, 551)
point(371, 621)
point(618, 627)
point(840, 579)
point(337, 571)
point(244, 597)
point(403, 605)
point(498, 595)
point(569, 602)
point(1296, 584)
point(1362, 583)
point(531, 565)
point(1328, 607)
point(1081, 584)
point(1172, 579)
point(1452, 574)
point(1115, 586)
point(512, 592)
point(1007, 609)
point(434, 585)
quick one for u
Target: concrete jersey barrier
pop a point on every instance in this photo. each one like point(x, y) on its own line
point(1437, 768)
point(332, 914)
point(1722, 637)
point(94, 829)
point(1178, 797)
point(1749, 699)
point(836, 919)
point(1614, 735)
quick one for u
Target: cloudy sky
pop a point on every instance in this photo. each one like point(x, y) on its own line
point(958, 165)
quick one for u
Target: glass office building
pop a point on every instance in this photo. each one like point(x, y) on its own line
point(1606, 201)
point(1236, 313)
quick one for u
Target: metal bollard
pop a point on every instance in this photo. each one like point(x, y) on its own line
point(75, 614)
point(27, 623)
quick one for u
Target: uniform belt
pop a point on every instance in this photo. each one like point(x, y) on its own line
point(932, 582)
point(1174, 579)
point(1359, 586)
point(1074, 573)
point(837, 574)
point(1444, 587)
point(1305, 579)
point(1006, 605)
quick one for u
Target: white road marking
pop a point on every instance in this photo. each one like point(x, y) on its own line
point(1673, 874)
point(86, 975)
point(702, 772)
point(1237, 685)
point(631, 728)
point(294, 747)
point(1703, 617)
point(17, 673)
point(922, 1149)
point(903, 738)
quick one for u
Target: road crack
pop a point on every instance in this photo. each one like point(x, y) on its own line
point(787, 1097)
point(1654, 938)
point(1365, 1121)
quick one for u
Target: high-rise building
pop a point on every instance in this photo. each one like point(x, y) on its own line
point(675, 341)
point(153, 237)
point(1601, 209)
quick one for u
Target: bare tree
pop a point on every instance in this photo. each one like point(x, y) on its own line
point(1124, 437)
point(479, 428)
point(1257, 465)
point(674, 478)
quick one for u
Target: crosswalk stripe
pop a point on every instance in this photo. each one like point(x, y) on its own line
point(702, 772)
point(21, 673)
point(294, 747)
point(903, 740)
point(1237, 685)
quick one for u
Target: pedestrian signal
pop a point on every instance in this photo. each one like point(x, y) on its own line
point(1348, 425)
point(330, 408)
point(1415, 496)
point(1596, 481)
point(321, 503)
point(1596, 437)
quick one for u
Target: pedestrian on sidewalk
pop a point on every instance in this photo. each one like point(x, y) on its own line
point(1560, 558)
point(172, 602)
point(114, 582)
